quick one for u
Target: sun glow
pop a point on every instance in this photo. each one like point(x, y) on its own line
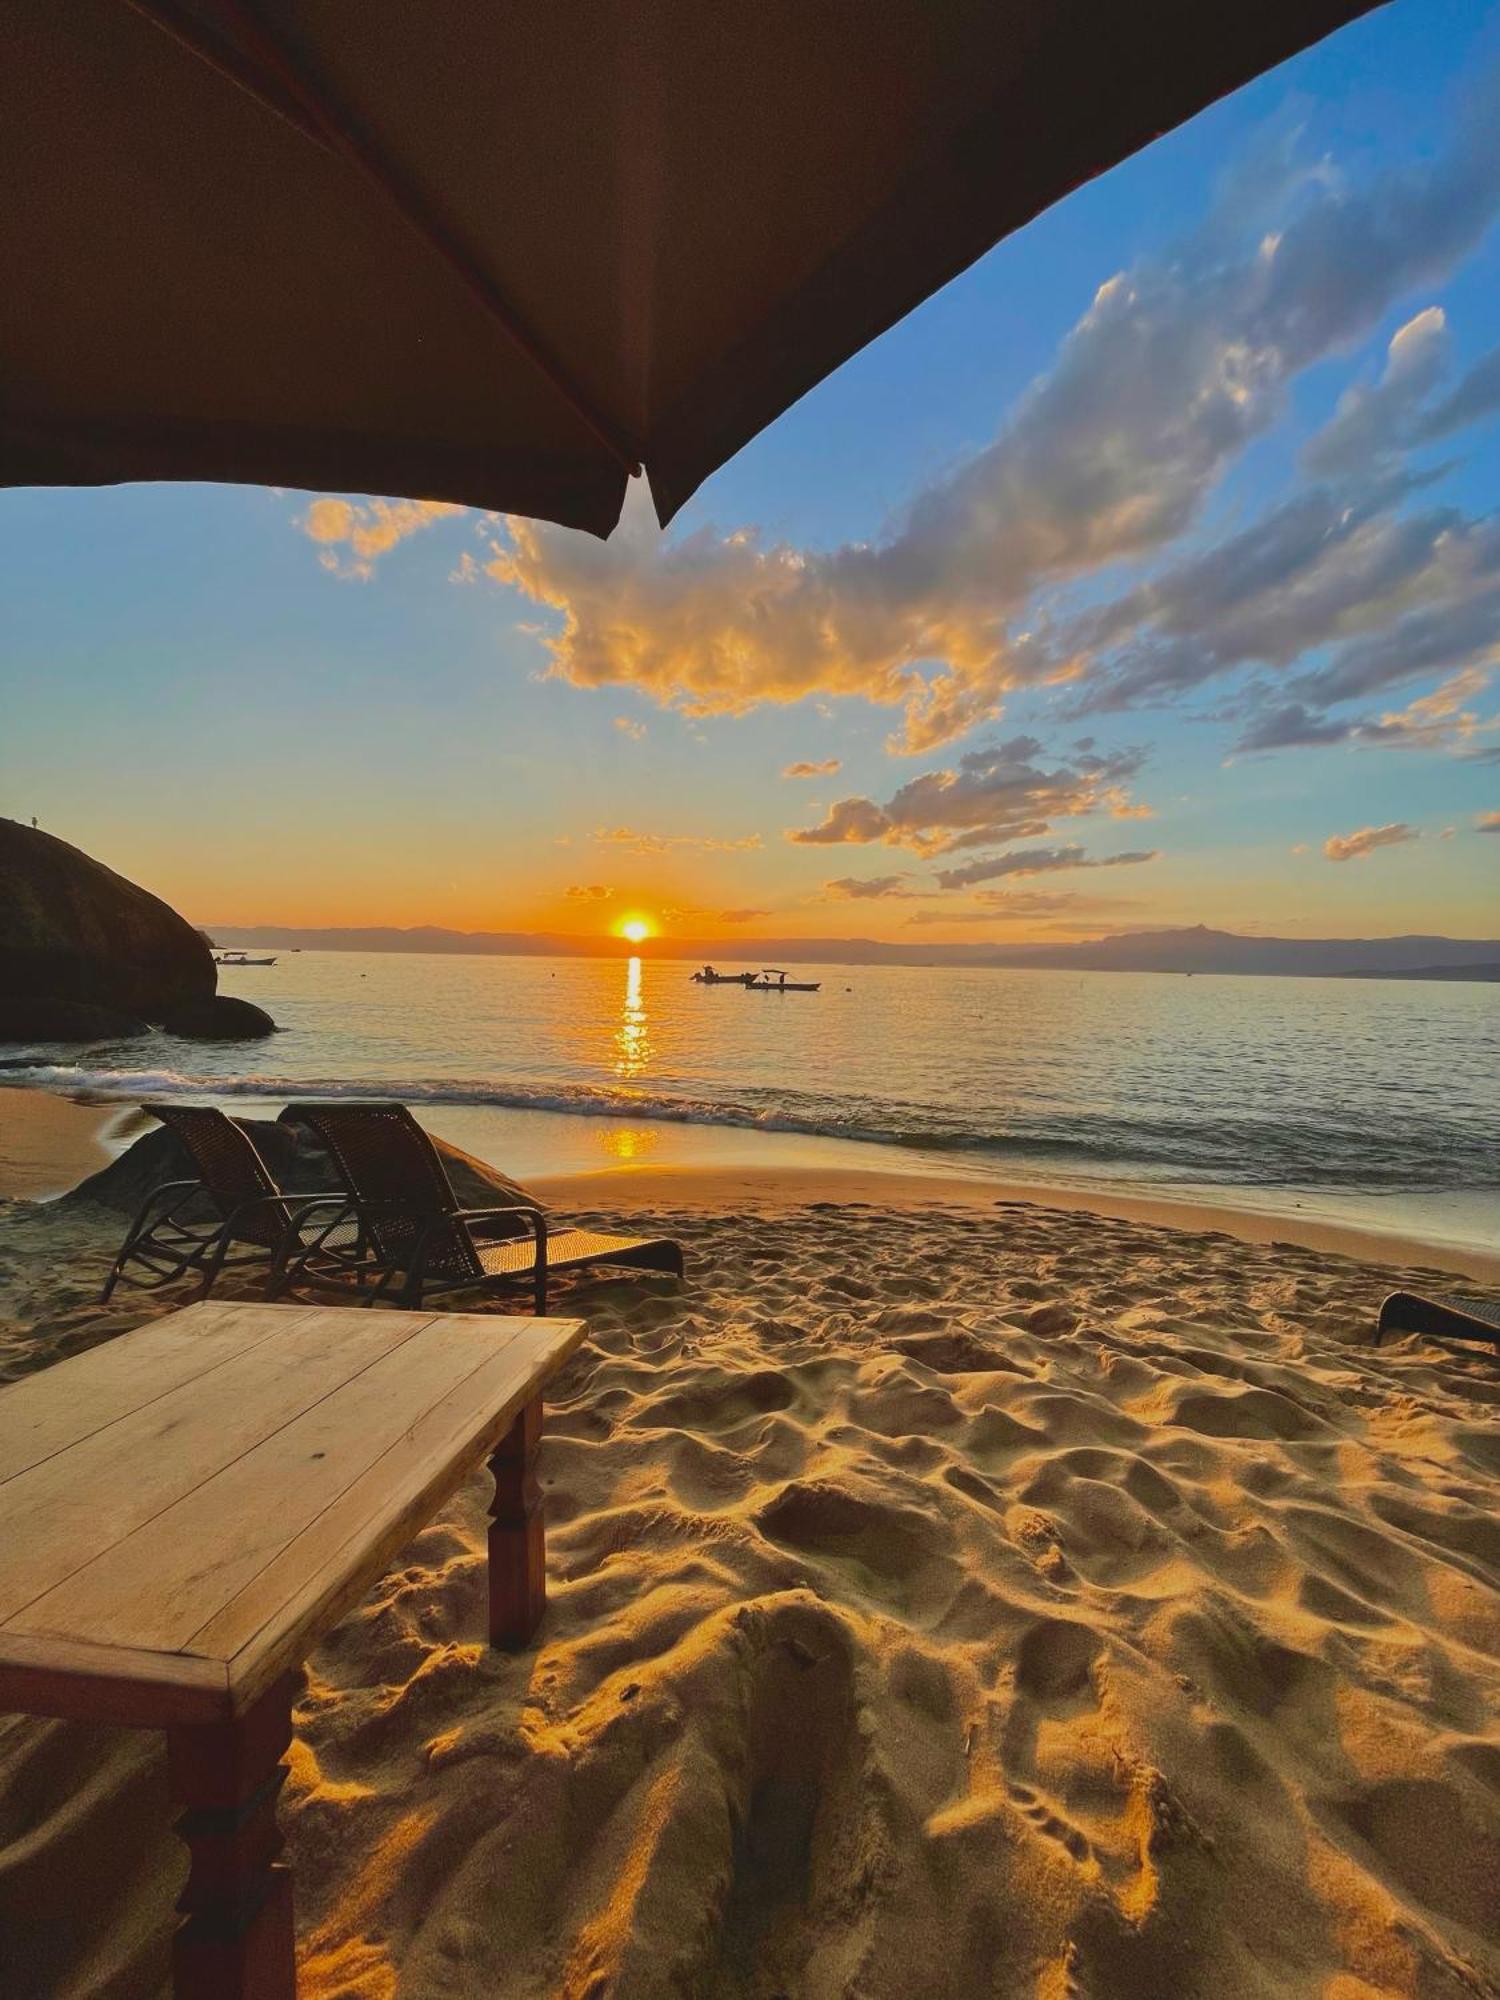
point(636, 929)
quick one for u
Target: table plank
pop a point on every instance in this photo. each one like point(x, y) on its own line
point(175, 1575)
point(74, 1506)
point(109, 1683)
point(60, 1406)
point(349, 1546)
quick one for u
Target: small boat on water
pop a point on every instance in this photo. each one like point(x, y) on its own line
point(773, 980)
point(239, 958)
point(708, 977)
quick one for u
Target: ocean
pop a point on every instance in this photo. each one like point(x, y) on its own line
point(1369, 1102)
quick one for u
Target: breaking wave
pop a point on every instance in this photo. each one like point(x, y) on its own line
point(1228, 1148)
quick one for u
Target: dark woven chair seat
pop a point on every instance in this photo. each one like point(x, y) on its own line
point(1439, 1316)
point(417, 1239)
point(572, 1247)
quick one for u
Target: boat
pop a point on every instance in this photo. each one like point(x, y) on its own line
point(772, 979)
point(708, 977)
point(239, 958)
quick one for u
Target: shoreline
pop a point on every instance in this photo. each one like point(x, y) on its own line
point(49, 1142)
point(647, 1187)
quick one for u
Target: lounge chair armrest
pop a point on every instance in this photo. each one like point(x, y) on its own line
point(174, 1189)
point(294, 1207)
point(496, 1214)
point(164, 1199)
point(300, 1206)
point(525, 1212)
point(160, 1205)
point(434, 1224)
point(290, 1201)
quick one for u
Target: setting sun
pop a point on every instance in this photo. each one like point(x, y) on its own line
point(635, 929)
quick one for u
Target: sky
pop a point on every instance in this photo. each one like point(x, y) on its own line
point(1147, 575)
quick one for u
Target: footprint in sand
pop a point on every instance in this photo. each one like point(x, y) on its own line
point(1050, 1824)
point(718, 1401)
point(1055, 1660)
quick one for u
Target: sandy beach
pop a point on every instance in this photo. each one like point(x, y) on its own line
point(950, 1594)
point(49, 1143)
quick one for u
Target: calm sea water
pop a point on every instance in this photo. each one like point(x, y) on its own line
point(1370, 1101)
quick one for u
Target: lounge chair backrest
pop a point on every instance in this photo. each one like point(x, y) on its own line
point(391, 1167)
point(225, 1158)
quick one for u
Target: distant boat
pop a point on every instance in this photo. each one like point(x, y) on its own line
point(708, 977)
point(773, 980)
point(239, 958)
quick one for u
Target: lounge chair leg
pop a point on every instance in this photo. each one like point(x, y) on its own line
point(237, 1940)
point(518, 1556)
point(127, 1250)
point(213, 1264)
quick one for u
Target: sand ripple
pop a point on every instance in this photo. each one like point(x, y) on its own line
point(943, 1604)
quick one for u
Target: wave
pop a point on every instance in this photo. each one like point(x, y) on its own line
point(1155, 1145)
point(577, 1100)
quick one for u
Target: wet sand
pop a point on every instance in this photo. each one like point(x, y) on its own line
point(48, 1144)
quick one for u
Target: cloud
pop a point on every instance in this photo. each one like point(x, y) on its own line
point(998, 905)
point(870, 888)
point(1373, 421)
point(1291, 725)
point(354, 534)
point(696, 913)
point(1435, 721)
point(658, 843)
point(1487, 822)
point(627, 726)
point(588, 892)
point(1176, 366)
point(1377, 422)
point(995, 795)
point(1477, 396)
point(1037, 861)
point(1446, 637)
point(1354, 846)
point(1395, 596)
point(802, 769)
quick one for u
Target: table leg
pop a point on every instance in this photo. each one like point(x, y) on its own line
point(236, 1941)
point(518, 1575)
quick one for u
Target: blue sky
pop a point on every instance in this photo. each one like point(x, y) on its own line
point(1174, 601)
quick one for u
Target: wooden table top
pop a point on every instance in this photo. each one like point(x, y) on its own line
point(186, 1509)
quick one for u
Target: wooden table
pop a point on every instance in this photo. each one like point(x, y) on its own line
point(184, 1510)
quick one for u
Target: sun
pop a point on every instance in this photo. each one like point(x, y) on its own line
point(636, 929)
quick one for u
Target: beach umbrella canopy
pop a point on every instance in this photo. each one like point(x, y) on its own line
point(506, 253)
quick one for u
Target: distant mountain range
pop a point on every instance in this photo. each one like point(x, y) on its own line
point(1196, 949)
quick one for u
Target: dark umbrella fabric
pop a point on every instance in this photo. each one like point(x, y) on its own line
point(506, 254)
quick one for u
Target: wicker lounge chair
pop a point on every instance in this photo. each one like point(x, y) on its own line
point(233, 1213)
point(1439, 1318)
point(416, 1238)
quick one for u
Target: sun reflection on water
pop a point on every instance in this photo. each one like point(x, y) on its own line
point(629, 1142)
point(632, 1037)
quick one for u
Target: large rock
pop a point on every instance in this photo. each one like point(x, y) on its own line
point(293, 1154)
point(66, 1021)
point(221, 1019)
point(71, 929)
